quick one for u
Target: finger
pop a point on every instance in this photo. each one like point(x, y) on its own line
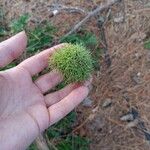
point(48, 81)
point(12, 48)
point(62, 108)
point(37, 63)
point(55, 97)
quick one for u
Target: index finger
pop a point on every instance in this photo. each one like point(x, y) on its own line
point(12, 48)
point(37, 63)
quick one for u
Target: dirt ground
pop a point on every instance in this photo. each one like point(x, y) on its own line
point(126, 83)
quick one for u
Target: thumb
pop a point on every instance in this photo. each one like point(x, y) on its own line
point(12, 48)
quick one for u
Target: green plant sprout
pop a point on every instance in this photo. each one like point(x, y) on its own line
point(147, 44)
point(74, 61)
point(19, 24)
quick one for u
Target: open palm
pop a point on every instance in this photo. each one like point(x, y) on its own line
point(25, 110)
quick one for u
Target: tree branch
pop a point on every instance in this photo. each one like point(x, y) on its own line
point(91, 14)
point(60, 7)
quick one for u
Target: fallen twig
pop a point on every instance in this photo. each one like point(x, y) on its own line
point(106, 18)
point(101, 24)
point(41, 143)
point(51, 145)
point(91, 14)
point(90, 117)
point(60, 7)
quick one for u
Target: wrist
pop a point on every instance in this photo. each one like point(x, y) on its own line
point(20, 130)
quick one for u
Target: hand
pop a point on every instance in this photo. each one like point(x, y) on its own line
point(24, 110)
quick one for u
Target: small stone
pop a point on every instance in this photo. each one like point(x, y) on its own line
point(118, 19)
point(107, 103)
point(138, 56)
point(139, 74)
point(128, 117)
point(137, 78)
point(87, 102)
point(55, 12)
point(132, 124)
point(101, 21)
point(148, 4)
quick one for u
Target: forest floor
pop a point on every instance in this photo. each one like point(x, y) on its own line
point(116, 115)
